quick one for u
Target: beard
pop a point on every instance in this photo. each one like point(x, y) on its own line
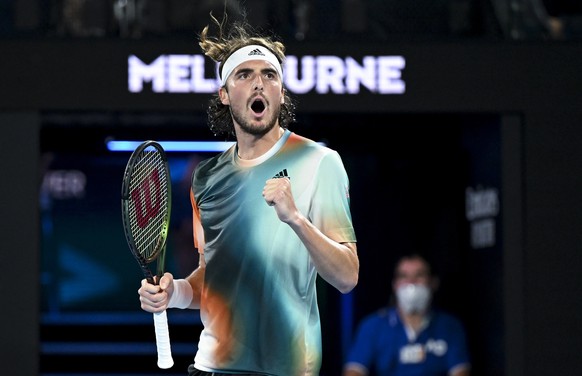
point(255, 130)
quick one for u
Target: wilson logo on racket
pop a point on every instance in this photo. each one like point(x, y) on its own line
point(147, 198)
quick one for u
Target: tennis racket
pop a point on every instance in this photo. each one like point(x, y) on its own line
point(146, 200)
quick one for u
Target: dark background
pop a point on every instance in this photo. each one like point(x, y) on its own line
point(500, 113)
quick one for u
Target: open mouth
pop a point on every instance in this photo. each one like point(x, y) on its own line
point(258, 106)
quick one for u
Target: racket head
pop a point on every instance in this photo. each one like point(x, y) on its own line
point(146, 204)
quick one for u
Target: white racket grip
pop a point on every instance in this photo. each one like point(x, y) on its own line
point(163, 340)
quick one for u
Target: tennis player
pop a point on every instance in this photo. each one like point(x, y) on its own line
point(271, 214)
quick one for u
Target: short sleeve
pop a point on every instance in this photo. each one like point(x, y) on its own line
point(458, 354)
point(362, 351)
point(331, 201)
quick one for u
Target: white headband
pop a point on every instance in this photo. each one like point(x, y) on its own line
point(252, 52)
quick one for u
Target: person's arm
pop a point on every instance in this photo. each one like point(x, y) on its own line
point(157, 298)
point(196, 280)
point(460, 371)
point(458, 353)
point(350, 370)
point(362, 353)
point(337, 263)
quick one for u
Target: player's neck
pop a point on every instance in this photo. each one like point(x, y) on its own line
point(253, 146)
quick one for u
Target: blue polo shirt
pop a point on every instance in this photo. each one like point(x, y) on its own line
point(382, 346)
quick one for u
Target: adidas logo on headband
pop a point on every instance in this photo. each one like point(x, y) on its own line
point(250, 52)
point(256, 51)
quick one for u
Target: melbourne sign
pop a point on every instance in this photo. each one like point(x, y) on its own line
point(325, 74)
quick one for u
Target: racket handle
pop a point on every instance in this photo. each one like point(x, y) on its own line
point(163, 340)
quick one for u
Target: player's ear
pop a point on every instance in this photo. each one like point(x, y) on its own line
point(223, 95)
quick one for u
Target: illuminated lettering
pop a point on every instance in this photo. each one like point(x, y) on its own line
point(293, 81)
point(199, 83)
point(330, 75)
point(482, 233)
point(364, 75)
point(481, 207)
point(321, 74)
point(389, 74)
point(170, 74)
point(480, 203)
point(139, 72)
point(178, 73)
point(64, 184)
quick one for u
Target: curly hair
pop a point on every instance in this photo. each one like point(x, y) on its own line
point(219, 48)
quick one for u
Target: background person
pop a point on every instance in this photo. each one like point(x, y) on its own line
point(411, 338)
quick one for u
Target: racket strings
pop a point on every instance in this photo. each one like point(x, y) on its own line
point(149, 203)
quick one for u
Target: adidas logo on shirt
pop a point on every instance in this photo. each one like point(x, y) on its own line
point(281, 174)
point(256, 51)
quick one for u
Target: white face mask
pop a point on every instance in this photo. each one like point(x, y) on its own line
point(413, 298)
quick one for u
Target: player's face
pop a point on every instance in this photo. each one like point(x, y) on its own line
point(254, 92)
